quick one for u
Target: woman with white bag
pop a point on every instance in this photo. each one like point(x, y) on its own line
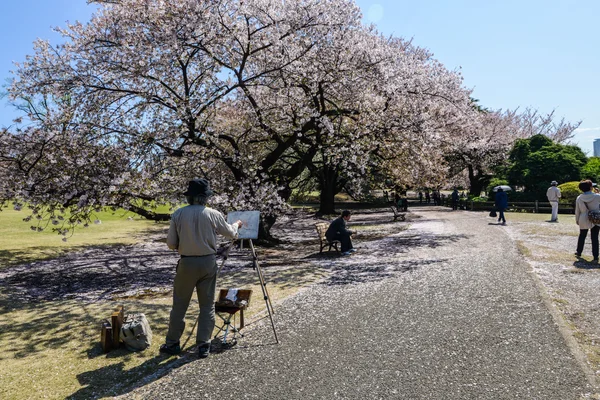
point(587, 201)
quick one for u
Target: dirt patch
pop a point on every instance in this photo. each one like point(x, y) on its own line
point(572, 283)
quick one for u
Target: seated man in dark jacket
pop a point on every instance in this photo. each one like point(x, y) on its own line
point(337, 231)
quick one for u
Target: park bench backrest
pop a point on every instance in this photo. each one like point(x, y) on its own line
point(321, 228)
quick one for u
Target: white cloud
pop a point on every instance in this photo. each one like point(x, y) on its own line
point(587, 129)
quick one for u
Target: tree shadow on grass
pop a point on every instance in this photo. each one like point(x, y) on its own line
point(106, 273)
point(99, 273)
point(46, 326)
point(115, 380)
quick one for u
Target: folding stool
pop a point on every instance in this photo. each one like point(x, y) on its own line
point(226, 310)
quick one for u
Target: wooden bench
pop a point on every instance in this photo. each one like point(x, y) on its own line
point(398, 213)
point(321, 228)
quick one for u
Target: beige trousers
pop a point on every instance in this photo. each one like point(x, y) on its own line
point(199, 273)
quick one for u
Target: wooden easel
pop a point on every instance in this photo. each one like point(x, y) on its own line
point(261, 279)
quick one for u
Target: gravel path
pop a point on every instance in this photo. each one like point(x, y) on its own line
point(457, 316)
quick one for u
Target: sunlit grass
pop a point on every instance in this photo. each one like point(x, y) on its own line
point(18, 243)
point(54, 347)
point(533, 217)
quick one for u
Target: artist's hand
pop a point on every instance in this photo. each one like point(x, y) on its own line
point(239, 223)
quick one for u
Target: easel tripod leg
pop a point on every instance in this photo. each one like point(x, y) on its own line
point(264, 290)
point(261, 278)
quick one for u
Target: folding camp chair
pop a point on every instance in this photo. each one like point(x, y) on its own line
point(226, 309)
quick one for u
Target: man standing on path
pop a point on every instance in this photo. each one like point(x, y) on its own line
point(553, 194)
point(455, 199)
point(193, 233)
point(337, 231)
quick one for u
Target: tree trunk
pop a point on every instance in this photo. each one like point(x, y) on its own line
point(477, 181)
point(151, 215)
point(264, 232)
point(327, 184)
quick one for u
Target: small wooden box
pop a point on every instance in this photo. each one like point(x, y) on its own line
point(116, 323)
point(106, 338)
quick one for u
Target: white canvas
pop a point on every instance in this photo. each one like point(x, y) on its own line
point(250, 219)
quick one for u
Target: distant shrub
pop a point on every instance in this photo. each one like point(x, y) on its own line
point(493, 183)
point(569, 192)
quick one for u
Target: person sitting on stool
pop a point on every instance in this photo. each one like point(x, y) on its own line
point(337, 231)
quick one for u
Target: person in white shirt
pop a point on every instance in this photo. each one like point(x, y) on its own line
point(553, 194)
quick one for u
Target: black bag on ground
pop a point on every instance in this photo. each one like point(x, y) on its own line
point(136, 332)
point(493, 213)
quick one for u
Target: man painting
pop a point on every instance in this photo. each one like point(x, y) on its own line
point(193, 233)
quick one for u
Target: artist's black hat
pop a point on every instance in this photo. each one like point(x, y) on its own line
point(198, 187)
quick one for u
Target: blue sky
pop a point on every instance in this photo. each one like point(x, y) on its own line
point(541, 54)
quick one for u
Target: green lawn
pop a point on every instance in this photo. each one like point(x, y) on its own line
point(18, 243)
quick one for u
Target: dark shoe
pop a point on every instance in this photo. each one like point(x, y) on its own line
point(352, 250)
point(173, 349)
point(203, 350)
point(577, 254)
point(595, 260)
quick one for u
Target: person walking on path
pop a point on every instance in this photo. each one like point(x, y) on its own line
point(455, 199)
point(553, 194)
point(193, 233)
point(404, 199)
point(585, 202)
point(337, 231)
point(501, 204)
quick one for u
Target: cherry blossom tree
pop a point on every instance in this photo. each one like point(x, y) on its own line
point(485, 144)
point(251, 95)
point(148, 78)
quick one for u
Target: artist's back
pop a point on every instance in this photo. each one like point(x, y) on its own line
point(194, 229)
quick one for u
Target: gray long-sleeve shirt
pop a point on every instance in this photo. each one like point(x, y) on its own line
point(194, 229)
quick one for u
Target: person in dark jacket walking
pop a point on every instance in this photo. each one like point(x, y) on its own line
point(455, 199)
point(501, 204)
point(337, 231)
